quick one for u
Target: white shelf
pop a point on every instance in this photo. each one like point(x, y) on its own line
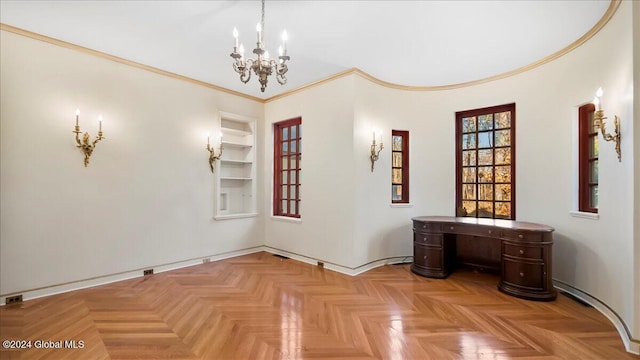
point(235, 178)
point(227, 161)
point(235, 216)
point(236, 188)
point(234, 144)
point(236, 132)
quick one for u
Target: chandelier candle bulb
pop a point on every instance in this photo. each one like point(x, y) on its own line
point(259, 30)
point(208, 135)
point(235, 38)
point(100, 123)
point(77, 116)
point(285, 37)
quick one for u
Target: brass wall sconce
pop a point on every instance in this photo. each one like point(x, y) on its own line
point(375, 150)
point(85, 145)
point(598, 122)
point(212, 153)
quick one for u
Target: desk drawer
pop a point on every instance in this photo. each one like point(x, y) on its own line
point(420, 226)
point(428, 239)
point(522, 274)
point(526, 252)
point(467, 229)
point(522, 235)
point(427, 257)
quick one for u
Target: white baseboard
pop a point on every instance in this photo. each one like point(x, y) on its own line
point(107, 279)
point(337, 267)
point(632, 345)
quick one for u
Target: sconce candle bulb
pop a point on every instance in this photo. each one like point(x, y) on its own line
point(598, 122)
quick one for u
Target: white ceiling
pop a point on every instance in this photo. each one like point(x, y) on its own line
point(416, 43)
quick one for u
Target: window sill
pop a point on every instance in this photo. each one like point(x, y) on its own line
point(286, 219)
point(235, 216)
point(584, 215)
point(400, 205)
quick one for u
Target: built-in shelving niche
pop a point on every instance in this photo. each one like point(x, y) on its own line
point(236, 171)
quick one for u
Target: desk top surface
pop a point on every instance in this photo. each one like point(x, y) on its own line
point(505, 224)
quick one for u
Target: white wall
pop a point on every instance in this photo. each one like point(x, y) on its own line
point(325, 231)
point(595, 256)
point(146, 198)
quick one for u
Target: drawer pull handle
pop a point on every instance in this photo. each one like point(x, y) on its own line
point(424, 226)
point(425, 257)
point(425, 239)
point(489, 231)
point(451, 228)
point(521, 236)
point(521, 274)
point(521, 252)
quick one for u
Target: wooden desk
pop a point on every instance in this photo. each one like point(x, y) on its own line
point(523, 251)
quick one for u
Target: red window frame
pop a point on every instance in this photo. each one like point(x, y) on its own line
point(587, 159)
point(403, 167)
point(286, 167)
point(474, 168)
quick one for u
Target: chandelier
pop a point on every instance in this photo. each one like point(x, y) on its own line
point(262, 66)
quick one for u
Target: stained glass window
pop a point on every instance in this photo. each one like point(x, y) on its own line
point(399, 166)
point(486, 162)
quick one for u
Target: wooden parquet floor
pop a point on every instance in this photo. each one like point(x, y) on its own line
point(262, 307)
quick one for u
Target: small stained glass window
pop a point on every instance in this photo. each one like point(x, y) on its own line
point(400, 166)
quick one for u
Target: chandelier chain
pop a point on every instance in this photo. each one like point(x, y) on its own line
point(262, 19)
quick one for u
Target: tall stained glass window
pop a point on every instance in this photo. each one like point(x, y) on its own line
point(485, 162)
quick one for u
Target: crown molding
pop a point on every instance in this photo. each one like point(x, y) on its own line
point(120, 60)
point(611, 10)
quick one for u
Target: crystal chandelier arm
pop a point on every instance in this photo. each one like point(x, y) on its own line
point(245, 75)
point(239, 66)
point(280, 71)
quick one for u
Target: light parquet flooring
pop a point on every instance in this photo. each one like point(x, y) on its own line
point(263, 307)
